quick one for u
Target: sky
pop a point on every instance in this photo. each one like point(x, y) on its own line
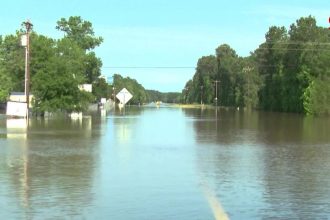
point(163, 33)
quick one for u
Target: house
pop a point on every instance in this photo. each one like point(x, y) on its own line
point(20, 97)
point(85, 87)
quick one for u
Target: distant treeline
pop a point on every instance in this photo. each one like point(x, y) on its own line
point(166, 97)
point(140, 94)
point(289, 72)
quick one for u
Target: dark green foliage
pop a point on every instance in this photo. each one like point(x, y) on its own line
point(289, 72)
point(291, 65)
point(154, 96)
point(140, 95)
point(101, 89)
point(136, 89)
point(55, 86)
point(12, 59)
point(167, 97)
point(79, 31)
point(57, 67)
point(237, 80)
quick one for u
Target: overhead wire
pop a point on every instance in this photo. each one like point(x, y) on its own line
point(149, 67)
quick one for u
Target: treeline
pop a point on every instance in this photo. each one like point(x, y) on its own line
point(289, 72)
point(167, 97)
point(57, 66)
point(136, 89)
point(140, 94)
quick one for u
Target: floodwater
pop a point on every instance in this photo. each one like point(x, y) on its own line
point(166, 163)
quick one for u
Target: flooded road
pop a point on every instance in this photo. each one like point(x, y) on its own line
point(166, 163)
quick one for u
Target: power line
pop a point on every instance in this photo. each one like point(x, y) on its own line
point(149, 67)
point(296, 43)
point(309, 49)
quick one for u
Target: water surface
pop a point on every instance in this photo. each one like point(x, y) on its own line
point(166, 163)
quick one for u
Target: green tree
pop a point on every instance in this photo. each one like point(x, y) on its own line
point(55, 87)
point(5, 86)
point(317, 96)
point(101, 89)
point(11, 65)
point(251, 82)
point(81, 32)
point(202, 85)
point(270, 58)
point(136, 89)
point(92, 67)
point(228, 69)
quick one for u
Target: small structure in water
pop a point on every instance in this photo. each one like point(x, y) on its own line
point(17, 106)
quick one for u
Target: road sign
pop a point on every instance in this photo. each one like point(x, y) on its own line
point(124, 96)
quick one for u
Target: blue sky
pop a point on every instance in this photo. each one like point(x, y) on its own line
point(171, 33)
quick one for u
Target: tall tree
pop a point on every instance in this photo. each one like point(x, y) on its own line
point(55, 86)
point(251, 82)
point(81, 32)
point(270, 58)
point(229, 67)
point(11, 65)
point(304, 39)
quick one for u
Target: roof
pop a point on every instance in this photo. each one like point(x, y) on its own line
point(19, 93)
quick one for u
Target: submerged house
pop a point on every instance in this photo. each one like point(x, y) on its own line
point(16, 106)
point(20, 97)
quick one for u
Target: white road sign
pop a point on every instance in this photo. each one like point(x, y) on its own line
point(124, 96)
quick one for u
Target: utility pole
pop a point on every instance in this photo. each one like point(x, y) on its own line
point(216, 91)
point(247, 70)
point(28, 26)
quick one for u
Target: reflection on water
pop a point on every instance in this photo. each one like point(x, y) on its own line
point(48, 173)
point(16, 128)
point(265, 165)
point(166, 163)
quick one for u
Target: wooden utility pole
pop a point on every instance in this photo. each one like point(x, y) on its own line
point(216, 91)
point(28, 25)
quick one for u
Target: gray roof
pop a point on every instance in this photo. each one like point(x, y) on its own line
point(18, 93)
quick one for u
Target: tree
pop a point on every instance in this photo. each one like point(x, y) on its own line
point(251, 82)
point(228, 73)
point(101, 89)
point(5, 86)
point(317, 96)
point(270, 60)
point(92, 67)
point(57, 67)
point(55, 87)
point(79, 31)
point(11, 65)
point(136, 89)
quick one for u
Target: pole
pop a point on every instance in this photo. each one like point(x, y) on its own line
point(27, 60)
point(28, 26)
point(216, 92)
point(26, 73)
